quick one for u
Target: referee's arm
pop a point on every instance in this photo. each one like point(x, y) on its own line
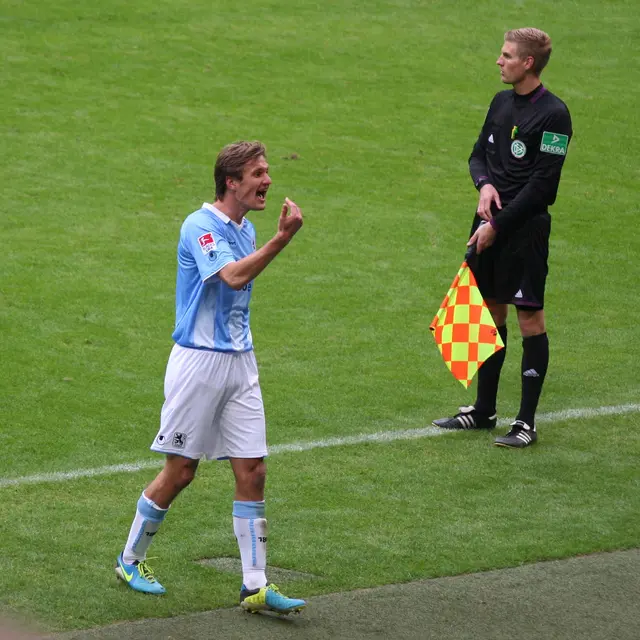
point(542, 187)
point(477, 159)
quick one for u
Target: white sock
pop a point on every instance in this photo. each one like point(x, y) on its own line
point(149, 517)
point(250, 527)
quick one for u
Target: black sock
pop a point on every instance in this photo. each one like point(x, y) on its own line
point(535, 360)
point(489, 377)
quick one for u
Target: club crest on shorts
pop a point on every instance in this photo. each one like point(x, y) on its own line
point(207, 243)
point(518, 149)
point(179, 440)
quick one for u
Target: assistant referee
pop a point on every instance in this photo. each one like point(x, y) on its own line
point(516, 165)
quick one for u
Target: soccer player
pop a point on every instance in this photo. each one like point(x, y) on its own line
point(515, 165)
point(213, 404)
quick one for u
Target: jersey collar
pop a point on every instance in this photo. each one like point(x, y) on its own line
point(225, 218)
point(533, 96)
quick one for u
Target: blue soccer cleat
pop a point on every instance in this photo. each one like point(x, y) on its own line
point(269, 598)
point(138, 576)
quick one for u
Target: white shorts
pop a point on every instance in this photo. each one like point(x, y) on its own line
point(213, 406)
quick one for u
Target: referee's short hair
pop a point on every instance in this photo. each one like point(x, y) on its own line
point(231, 160)
point(531, 42)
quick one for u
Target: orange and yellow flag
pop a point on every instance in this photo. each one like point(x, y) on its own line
point(463, 328)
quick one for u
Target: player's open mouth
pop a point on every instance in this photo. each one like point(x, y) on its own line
point(262, 194)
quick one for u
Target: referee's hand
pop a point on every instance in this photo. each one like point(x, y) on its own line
point(483, 237)
point(488, 195)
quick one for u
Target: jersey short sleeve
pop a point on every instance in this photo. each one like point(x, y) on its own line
point(205, 241)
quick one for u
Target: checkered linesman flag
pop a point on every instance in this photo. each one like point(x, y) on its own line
point(463, 328)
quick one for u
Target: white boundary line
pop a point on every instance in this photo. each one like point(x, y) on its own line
point(379, 437)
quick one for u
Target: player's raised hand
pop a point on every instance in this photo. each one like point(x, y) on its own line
point(290, 218)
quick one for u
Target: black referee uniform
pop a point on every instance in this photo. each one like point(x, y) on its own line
point(520, 151)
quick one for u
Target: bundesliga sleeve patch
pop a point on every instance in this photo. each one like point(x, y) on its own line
point(555, 143)
point(207, 243)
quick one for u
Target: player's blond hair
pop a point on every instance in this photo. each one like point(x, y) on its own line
point(231, 160)
point(531, 42)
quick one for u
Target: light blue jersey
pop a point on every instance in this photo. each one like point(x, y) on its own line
point(209, 313)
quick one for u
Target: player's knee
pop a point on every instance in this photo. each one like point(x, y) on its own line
point(252, 478)
point(182, 473)
point(258, 476)
point(185, 477)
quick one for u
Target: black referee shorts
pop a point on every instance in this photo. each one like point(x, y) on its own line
point(514, 269)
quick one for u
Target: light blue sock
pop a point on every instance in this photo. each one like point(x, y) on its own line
point(250, 527)
point(149, 517)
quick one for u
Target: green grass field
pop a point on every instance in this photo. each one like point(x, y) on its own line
point(111, 118)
